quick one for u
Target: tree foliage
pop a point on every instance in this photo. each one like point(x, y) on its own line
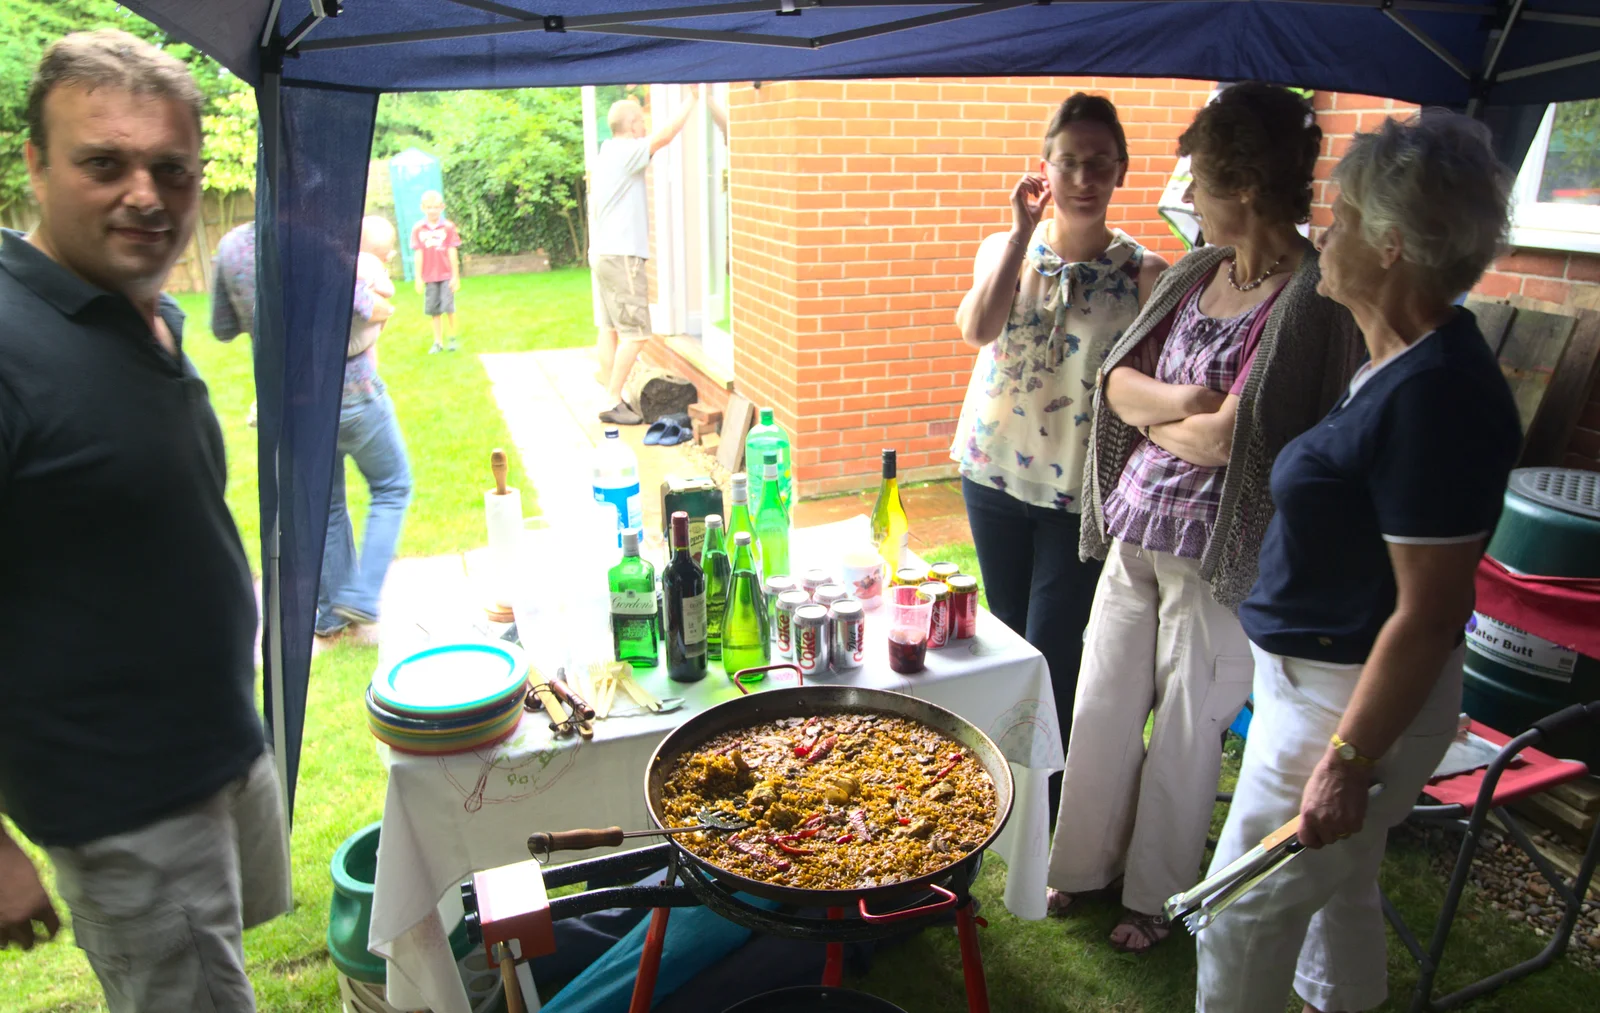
point(512, 160)
point(28, 27)
point(512, 163)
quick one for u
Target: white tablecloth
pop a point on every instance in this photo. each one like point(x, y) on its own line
point(445, 817)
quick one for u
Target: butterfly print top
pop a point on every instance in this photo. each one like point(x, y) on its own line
point(1024, 425)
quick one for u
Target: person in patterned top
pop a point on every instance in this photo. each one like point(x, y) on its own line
point(1049, 298)
point(1193, 403)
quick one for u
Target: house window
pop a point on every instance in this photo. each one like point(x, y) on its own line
point(1558, 191)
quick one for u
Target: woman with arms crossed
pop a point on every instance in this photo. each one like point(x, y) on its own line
point(1234, 355)
point(1048, 300)
point(1367, 570)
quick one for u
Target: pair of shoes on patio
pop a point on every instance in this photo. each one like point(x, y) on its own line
point(340, 618)
point(669, 431)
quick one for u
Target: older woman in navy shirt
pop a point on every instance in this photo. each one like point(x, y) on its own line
point(1366, 572)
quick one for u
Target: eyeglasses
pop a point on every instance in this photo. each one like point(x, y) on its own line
point(1100, 165)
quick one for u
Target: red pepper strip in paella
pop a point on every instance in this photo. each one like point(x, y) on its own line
point(845, 838)
point(783, 845)
point(823, 749)
point(748, 849)
point(952, 765)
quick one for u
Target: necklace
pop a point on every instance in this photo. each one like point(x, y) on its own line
point(1263, 276)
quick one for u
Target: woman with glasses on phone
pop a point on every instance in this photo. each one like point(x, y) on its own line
point(1048, 300)
point(1234, 355)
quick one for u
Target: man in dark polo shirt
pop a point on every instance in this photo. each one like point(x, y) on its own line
point(130, 747)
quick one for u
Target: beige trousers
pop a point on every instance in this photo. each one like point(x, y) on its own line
point(1157, 642)
point(161, 911)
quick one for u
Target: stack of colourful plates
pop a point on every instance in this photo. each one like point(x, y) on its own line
point(449, 699)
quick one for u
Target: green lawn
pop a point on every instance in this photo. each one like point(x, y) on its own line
point(443, 401)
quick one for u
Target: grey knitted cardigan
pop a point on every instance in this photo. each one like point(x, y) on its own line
point(1308, 351)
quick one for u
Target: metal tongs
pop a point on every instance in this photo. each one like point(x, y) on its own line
point(1200, 905)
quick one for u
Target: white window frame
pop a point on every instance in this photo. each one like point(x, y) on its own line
point(1546, 226)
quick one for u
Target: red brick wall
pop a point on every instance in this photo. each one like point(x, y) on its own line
point(1570, 280)
point(857, 209)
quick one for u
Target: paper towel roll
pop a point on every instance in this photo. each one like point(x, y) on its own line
point(503, 515)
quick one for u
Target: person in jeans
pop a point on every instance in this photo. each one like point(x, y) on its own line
point(1367, 572)
point(370, 434)
point(130, 745)
point(1234, 355)
point(1048, 299)
point(619, 245)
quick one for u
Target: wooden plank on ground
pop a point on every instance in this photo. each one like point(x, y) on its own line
point(1494, 320)
point(1564, 397)
point(735, 425)
point(1532, 350)
point(1582, 794)
point(1554, 814)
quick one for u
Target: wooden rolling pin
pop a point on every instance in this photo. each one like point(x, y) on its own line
point(497, 464)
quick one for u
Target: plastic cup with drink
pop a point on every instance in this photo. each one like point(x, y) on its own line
point(910, 614)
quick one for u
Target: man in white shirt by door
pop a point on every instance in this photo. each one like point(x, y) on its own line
point(619, 245)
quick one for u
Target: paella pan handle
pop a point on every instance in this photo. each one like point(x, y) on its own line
point(574, 840)
point(944, 904)
point(799, 680)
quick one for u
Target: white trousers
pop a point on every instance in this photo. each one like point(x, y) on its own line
point(1156, 642)
point(1316, 925)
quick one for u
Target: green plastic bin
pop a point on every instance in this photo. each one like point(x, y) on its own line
point(354, 869)
point(1550, 527)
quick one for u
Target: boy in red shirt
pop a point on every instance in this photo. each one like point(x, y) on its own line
point(438, 267)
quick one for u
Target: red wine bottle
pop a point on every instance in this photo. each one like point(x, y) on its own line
point(683, 585)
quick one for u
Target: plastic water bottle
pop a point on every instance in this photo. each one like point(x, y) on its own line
point(616, 482)
point(767, 437)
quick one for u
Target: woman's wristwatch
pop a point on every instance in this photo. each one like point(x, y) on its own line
point(1346, 752)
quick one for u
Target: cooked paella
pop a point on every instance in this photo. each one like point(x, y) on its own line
point(835, 803)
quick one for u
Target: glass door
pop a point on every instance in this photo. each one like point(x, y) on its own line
point(716, 267)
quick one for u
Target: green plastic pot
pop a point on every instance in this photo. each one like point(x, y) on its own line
point(354, 869)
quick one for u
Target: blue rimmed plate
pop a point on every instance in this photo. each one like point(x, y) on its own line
point(452, 680)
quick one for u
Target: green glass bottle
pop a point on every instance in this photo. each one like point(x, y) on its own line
point(740, 519)
point(714, 561)
point(772, 520)
point(634, 637)
point(745, 640)
point(765, 437)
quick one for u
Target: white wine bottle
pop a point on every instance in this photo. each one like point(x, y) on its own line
point(889, 527)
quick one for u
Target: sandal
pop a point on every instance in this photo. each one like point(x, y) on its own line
point(1151, 929)
point(1056, 902)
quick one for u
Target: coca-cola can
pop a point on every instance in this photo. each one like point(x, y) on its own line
point(811, 639)
point(963, 607)
point(847, 635)
point(783, 611)
point(939, 625)
point(813, 579)
point(827, 594)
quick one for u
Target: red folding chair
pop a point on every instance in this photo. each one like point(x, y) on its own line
point(1465, 802)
